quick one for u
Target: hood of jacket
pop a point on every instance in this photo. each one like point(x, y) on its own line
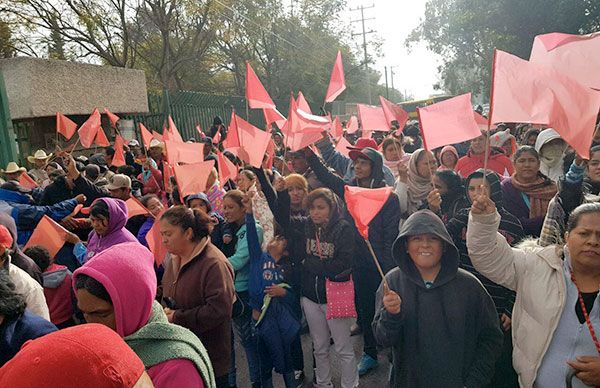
point(376, 160)
point(116, 232)
point(425, 222)
point(544, 137)
point(201, 196)
point(17, 257)
point(117, 210)
point(495, 186)
point(127, 273)
point(54, 276)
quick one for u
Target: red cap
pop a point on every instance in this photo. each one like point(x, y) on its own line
point(364, 143)
point(6, 239)
point(90, 355)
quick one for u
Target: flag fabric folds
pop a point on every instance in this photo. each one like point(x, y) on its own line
point(372, 118)
point(119, 158)
point(89, 130)
point(112, 117)
point(256, 94)
point(146, 136)
point(49, 235)
point(364, 204)
point(178, 152)
point(227, 170)
point(192, 178)
point(393, 112)
point(337, 81)
point(65, 126)
point(135, 208)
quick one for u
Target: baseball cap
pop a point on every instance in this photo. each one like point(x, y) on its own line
point(134, 143)
point(119, 181)
point(364, 143)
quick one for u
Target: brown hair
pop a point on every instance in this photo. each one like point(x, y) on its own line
point(390, 141)
point(185, 218)
point(296, 180)
point(325, 194)
point(236, 196)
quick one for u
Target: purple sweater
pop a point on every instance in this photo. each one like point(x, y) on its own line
point(515, 204)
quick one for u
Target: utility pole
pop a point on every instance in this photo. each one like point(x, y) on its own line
point(364, 35)
point(392, 76)
point(387, 90)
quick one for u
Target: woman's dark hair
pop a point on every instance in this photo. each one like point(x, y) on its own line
point(248, 174)
point(100, 209)
point(594, 149)
point(146, 198)
point(582, 210)
point(194, 219)
point(526, 149)
point(323, 193)
point(236, 196)
point(391, 141)
point(453, 181)
point(40, 255)
point(127, 170)
point(12, 304)
point(92, 286)
point(530, 132)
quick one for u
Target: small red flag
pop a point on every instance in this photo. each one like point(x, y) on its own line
point(301, 103)
point(49, 235)
point(89, 130)
point(256, 94)
point(27, 182)
point(157, 136)
point(336, 128)
point(192, 178)
point(372, 118)
point(112, 117)
point(135, 208)
point(274, 116)
point(173, 131)
point(101, 139)
point(119, 157)
point(184, 152)
point(394, 112)
point(342, 146)
point(337, 82)
point(65, 126)
point(352, 125)
point(253, 142)
point(146, 136)
point(364, 204)
point(233, 139)
point(227, 170)
point(155, 243)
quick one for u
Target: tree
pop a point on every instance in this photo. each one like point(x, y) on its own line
point(465, 33)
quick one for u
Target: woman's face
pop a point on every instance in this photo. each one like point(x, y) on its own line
point(155, 206)
point(232, 211)
point(527, 167)
point(426, 165)
point(175, 239)
point(99, 224)
point(593, 167)
point(474, 188)
point(198, 204)
point(425, 250)
point(391, 153)
point(297, 195)
point(531, 140)
point(584, 242)
point(440, 185)
point(96, 310)
point(319, 211)
point(243, 182)
point(449, 159)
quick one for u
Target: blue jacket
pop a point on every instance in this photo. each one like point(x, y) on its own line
point(16, 331)
point(240, 259)
point(27, 216)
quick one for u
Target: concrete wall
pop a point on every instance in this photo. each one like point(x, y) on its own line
point(41, 87)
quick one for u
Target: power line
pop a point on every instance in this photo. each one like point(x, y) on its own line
point(364, 35)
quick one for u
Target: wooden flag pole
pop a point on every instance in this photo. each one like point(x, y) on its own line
point(385, 284)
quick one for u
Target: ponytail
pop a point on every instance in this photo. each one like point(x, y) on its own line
point(195, 219)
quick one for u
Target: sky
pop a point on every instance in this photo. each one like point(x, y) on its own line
point(415, 71)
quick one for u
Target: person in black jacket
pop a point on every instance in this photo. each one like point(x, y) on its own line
point(383, 230)
point(438, 319)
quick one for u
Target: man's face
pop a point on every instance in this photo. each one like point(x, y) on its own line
point(123, 193)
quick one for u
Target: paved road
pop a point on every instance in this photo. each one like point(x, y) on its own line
point(376, 378)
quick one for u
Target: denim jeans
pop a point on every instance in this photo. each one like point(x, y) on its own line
point(244, 328)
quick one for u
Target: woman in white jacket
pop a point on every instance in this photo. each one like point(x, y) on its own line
point(556, 313)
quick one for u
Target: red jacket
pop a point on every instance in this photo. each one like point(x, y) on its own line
point(57, 290)
point(497, 162)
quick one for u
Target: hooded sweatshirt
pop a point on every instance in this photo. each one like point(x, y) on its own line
point(497, 162)
point(116, 232)
point(450, 149)
point(18, 258)
point(173, 355)
point(551, 156)
point(447, 334)
point(57, 290)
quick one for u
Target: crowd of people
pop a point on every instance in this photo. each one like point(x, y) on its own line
point(490, 250)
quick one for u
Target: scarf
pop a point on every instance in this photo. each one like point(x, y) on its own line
point(540, 193)
point(418, 187)
point(159, 341)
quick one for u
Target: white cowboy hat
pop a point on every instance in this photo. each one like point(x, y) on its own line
point(13, 167)
point(39, 155)
point(156, 143)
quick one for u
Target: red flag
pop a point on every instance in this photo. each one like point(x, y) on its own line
point(135, 208)
point(49, 235)
point(337, 82)
point(342, 146)
point(301, 121)
point(65, 126)
point(184, 152)
point(233, 139)
point(112, 117)
point(577, 56)
point(525, 92)
point(253, 142)
point(372, 118)
point(157, 136)
point(167, 174)
point(301, 103)
point(256, 94)
point(27, 182)
point(101, 139)
point(173, 132)
point(192, 178)
point(155, 243)
point(448, 122)
point(146, 136)
point(268, 163)
point(274, 116)
point(364, 204)
point(89, 130)
point(298, 141)
point(394, 112)
point(352, 125)
point(217, 139)
point(336, 128)
point(119, 158)
point(227, 170)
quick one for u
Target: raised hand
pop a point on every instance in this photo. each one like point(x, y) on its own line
point(434, 199)
point(483, 204)
point(391, 300)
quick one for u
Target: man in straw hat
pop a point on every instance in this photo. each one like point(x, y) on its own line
point(39, 159)
point(12, 176)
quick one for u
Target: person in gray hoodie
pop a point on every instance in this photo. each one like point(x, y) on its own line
point(439, 320)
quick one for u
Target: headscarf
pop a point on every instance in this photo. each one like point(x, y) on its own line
point(540, 192)
point(418, 186)
point(453, 151)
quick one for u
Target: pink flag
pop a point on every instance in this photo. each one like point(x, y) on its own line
point(372, 118)
point(525, 92)
point(336, 128)
point(300, 140)
point(227, 170)
point(268, 162)
point(192, 178)
point(89, 130)
point(184, 152)
point(119, 158)
point(112, 117)
point(364, 204)
point(146, 136)
point(253, 142)
point(65, 126)
point(337, 82)
point(352, 125)
point(232, 141)
point(342, 146)
point(448, 122)
point(256, 94)
point(393, 112)
point(101, 139)
point(577, 56)
point(155, 244)
point(27, 182)
point(301, 103)
point(274, 116)
point(217, 139)
point(49, 235)
point(157, 136)
point(135, 208)
point(173, 132)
